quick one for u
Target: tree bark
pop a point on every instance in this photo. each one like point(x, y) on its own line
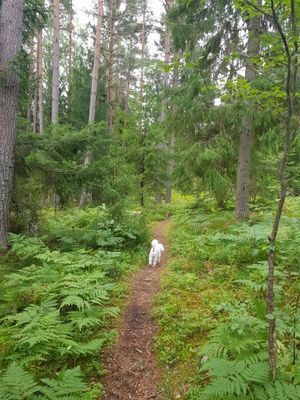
point(170, 166)
point(142, 120)
point(35, 108)
point(36, 94)
point(39, 73)
point(70, 48)
point(85, 195)
point(290, 88)
point(55, 62)
point(128, 82)
point(31, 86)
point(10, 45)
point(96, 63)
point(244, 159)
point(110, 67)
point(165, 82)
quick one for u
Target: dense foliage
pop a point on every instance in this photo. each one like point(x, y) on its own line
point(110, 119)
point(59, 296)
point(214, 340)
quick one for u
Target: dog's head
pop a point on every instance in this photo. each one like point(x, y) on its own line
point(154, 242)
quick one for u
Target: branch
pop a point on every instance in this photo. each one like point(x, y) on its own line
point(261, 10)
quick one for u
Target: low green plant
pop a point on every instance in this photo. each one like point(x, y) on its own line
point(59, 299)
point(18, 384)
point(212, 312)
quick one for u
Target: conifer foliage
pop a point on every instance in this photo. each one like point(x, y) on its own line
point(190, 112)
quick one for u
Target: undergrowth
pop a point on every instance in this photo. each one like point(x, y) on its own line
point(59, 297)
point(211, 311)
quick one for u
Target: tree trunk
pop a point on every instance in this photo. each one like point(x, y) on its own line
point(70, 48)
point(10, 45)
point(110, 66)
point(85, 195)
point(36, 94)
point(165, 82)
point(31, 86)
point(170, 166)
point(117, 87)
point(35, 108)
point(290, 88)
point(96, 63)
point(142, 121)
point(244, 159)
point(128, 81)
point(55, 62)
point(39, 74)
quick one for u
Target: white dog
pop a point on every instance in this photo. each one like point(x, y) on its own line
point(155, 253)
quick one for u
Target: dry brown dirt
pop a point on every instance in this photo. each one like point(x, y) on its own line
point(132, 369)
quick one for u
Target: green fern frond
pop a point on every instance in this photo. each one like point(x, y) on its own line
point(76, 301)
point(84, 319)
point(91, 347)
point(17, 384)
point(69, 385)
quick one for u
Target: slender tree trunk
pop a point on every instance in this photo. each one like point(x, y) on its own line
point(116, 102)
point(30, 78)
point(165, 82)
point(110, 66)
point(170, 166)
point(85, 195)
point(10, 45)
point(36, 94)
point(128, 82)
point(70, 48)
point(116, 86)
point(40, 82)
point(55, 62)
point(290, 88)
point(96, 63)
point(35, 108)
point(142, 120)
point(244, 159)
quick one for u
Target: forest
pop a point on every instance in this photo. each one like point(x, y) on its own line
point(122, 121)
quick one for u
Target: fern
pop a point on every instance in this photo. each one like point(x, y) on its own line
point(76, 301)
point(236, 378)
point(39, 329)
point(84, 320)
point(17, 384)
point(88, 348)
point(240, 336)
point(69, 385)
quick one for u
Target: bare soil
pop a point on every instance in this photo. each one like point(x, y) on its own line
point(132, 369)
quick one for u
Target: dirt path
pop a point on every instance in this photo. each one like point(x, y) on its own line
point(132, 371)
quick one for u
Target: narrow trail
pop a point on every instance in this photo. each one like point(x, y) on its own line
point(132, 370)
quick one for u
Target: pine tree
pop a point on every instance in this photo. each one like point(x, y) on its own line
point(10, 45)
point(55, 62)
point(244, 161)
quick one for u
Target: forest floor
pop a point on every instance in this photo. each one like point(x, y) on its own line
point(132, 369)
